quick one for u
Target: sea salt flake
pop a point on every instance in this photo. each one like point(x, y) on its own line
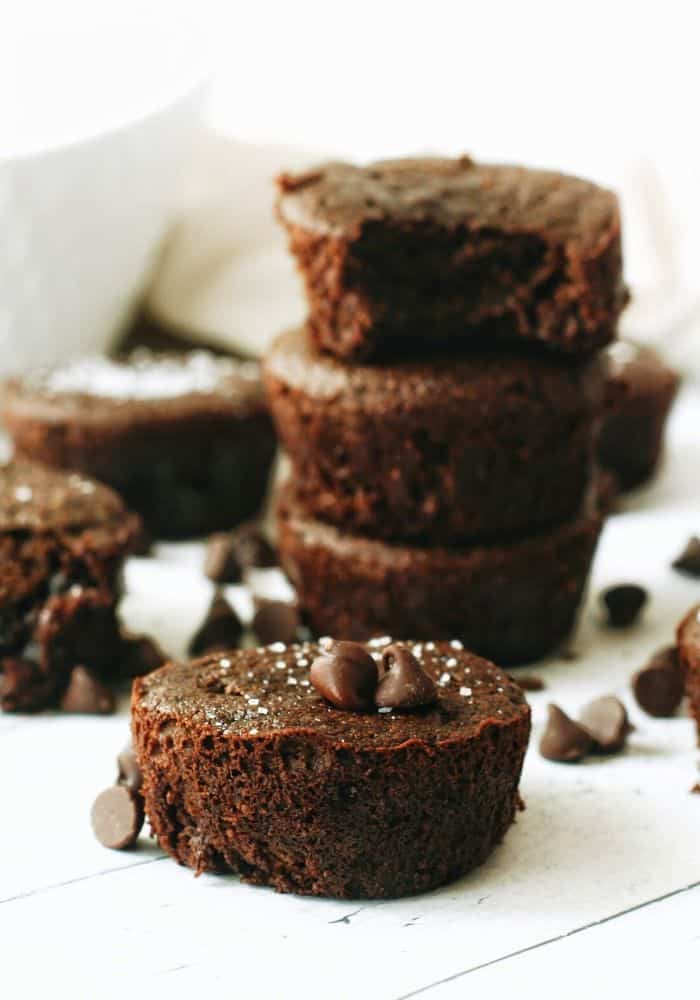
point(23, 493)
point(224, 663)
point(292, 680)
point(465, 692)
point(262, 711)
point(444, 679)
point(451, 662)
point(253, 701)
point(456, 644)
point(304, 683)
point(384, 711)
point(280, 665)
point(277, 647)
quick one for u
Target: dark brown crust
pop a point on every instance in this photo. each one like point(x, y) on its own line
point(688, 637)
point(189, 465)
point(424, 252)
point(348, 805)
point(441, 451)
point(62, 549)
point(513, 602)
point(644, 388)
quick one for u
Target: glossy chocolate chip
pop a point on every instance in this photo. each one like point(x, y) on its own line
point(141, 655)
point(23, 685)
point(563, 739)
point(86, 695)
point(689, 560)
point(405, 684)
point(659, 687)
point(605, 720)
point(623, 604)
point(221, 562)
point(117, 817)
point(221, 628)
point(252, 549)
point(276, 621)
point(346, 676)
point(129, 772)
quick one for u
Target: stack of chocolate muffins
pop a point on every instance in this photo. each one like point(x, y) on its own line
point(441, 407)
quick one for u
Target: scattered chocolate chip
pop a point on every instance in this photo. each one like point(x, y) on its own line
point(221, 563)
point(252, 549)
point(142, 542)
point(695, 790)
point(529, 682)
point(346, 675)
point(141, 655)
point(563, 739)
point(659, 687)
point(117, 817)
point(86, 695)
point(276, 621)
point(689, 559)
point(605, 720)
point(623, 604)
point(23, 686)
point(405, 684)
point(129, 772)
point(221, 629)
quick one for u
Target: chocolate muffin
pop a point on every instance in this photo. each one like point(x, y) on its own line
point(644, 388)
point(63, 540)
point(688, 637)
point(512, 601)
point(247, 768)
point(428, 252)
point(185, 439)
point(444, 450)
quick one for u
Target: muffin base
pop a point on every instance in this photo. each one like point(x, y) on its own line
point(512, 602)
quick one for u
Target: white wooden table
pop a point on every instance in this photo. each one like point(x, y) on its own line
point(596, 887)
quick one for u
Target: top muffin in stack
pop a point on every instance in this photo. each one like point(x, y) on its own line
point(441, 408)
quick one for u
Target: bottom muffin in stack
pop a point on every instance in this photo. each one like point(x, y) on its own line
point(512, 601)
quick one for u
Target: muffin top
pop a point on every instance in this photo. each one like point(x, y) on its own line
point(473, 382)
point(341, 197)
point(41, 499)
point(267, 691)
point(141, 385)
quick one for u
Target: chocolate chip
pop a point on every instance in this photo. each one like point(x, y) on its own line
point(695, 790)
point(117, 817)
point(563, 739)
point(141, 655)
point(252, 549)
point(86, 695)
point(623, 604)
point(221, 563)
point(605, 720)
point(346, 675)
point(23, 686)
point(129, 772)
point(221, 629)
point(659, 687)
point(405, 684)
point(529, 682)
point(142, 542)
point(276, 621)
point(689, 560)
